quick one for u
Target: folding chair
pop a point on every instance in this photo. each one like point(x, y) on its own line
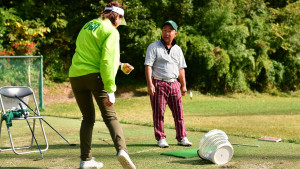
point(14, 102)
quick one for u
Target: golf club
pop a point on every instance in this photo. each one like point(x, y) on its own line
point(44, 121)
point(25, 117)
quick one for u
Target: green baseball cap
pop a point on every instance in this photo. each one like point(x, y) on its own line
point(172, 23)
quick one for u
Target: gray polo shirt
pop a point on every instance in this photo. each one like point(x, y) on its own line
point(164, 64)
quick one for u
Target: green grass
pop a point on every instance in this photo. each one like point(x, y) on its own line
point(244, 118)
point(143, 149)
point(242, 106)
point(241, 115)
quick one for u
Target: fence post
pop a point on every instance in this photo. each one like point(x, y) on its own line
point(41, 106)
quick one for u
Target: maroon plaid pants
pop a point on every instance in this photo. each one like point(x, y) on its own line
point(167, 93)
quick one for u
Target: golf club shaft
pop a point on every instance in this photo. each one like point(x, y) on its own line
point(42, 119)
point(25, 117)
point(56, 131)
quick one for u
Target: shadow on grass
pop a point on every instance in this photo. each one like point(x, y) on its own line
point(142, 145)
point(264, 157)
point(104, 145)
point(268, 157)
point(21, 167)
point(192, 162)
point(64, 146)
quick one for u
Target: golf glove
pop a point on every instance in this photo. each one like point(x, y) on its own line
point(111, 97)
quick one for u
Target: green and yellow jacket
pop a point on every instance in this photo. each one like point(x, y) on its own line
point(97, 51)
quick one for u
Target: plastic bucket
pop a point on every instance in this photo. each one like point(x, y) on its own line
point(215, 146)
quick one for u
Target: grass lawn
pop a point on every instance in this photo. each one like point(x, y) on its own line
point(247, 116)
point(243, 118)
point(143, 149)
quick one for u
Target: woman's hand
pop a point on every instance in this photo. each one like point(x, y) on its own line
point(126, 68)
point(110, 100)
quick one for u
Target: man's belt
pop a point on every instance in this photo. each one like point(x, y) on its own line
point(166, 80)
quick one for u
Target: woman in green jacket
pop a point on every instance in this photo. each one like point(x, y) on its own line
point(92, 73)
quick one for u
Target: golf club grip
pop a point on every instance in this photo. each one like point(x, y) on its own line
point(22, 110)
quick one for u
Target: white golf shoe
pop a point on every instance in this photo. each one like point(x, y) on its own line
point(91, 164)
point(162, 143)
point(185, 142)
point(125, 161)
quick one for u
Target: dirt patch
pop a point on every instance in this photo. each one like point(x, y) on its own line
point(61, 92)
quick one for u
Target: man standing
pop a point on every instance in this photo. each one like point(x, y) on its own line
point(164, 63)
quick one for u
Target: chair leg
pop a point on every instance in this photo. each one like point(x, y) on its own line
point(0, 125)
point(32, 132)
point(1, 114)
point(14, 149)
point(44, 134)
point(0, 128)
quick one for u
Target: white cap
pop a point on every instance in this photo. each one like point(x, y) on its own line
point(117, 10)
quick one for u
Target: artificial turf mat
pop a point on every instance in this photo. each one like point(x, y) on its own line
point(184, 153)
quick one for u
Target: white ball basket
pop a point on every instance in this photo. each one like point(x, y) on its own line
point(215, 146)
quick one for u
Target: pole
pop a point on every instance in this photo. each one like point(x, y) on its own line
point(41, 99)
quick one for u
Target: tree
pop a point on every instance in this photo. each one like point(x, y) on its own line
point(230, 46)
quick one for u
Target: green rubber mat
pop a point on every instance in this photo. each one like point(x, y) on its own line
point(184, 153)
